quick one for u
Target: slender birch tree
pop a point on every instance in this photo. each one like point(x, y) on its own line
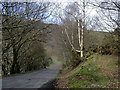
point(83, 25)
point(78, 25)
point(80, 33)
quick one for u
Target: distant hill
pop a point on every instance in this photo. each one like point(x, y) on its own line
point(55, 46)
point(94, 37)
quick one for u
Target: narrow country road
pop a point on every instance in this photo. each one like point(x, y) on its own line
point(30, 80)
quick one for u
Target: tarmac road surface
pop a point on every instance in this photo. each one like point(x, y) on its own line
point(30, 80)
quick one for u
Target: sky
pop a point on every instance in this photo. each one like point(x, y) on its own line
point(91, 11)
point(95, 12)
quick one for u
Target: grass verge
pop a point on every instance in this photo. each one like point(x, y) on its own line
point(99, 72)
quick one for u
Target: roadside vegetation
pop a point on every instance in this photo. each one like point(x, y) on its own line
point(23, 38)
point(97, 69)
point(98, 72)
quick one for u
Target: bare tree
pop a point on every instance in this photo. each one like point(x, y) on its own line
point(108, 14)
point(20, 26)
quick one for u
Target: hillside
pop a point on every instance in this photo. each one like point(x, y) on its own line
point(99, 72)
point(55, 44)
point(94, 37)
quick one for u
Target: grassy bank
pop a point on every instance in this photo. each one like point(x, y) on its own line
point(99, 72)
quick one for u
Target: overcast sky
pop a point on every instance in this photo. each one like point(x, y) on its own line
point(90, 10)
point(94, 12)
point(63, 3)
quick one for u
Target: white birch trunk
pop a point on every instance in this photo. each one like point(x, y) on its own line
point(78, 25)
point(83, 28)
point(72, 33)
point(71, 42)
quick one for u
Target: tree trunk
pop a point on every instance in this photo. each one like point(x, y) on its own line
point(83, 28)
point(78, 25)
point(15, 66)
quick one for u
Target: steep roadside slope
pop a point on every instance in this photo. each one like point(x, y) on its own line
point(99, 72)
